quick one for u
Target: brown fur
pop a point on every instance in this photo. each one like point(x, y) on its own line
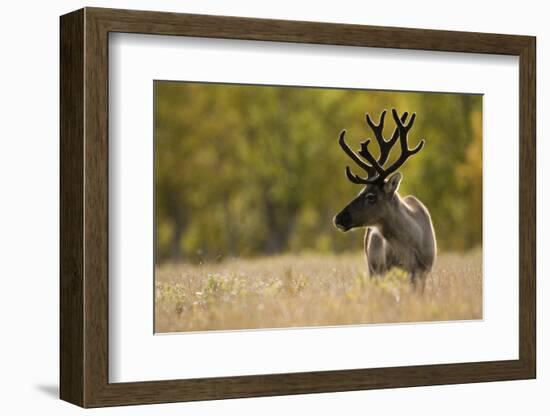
point(399, 230)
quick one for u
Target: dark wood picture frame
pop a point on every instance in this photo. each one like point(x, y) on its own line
point(84, 207)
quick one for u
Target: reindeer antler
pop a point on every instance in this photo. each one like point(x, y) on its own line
point(375, 168)
point(385, 146)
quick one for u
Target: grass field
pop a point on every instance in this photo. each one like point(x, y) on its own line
point(311, 290)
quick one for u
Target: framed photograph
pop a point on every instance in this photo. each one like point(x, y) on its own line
point(254, 207)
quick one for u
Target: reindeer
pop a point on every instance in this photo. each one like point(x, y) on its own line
point(399, 230)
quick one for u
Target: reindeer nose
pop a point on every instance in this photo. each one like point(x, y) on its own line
point(342, 220)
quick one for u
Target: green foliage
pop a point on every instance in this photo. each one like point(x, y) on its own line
point(248, 170)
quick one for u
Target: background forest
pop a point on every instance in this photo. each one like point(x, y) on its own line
point(242, 170)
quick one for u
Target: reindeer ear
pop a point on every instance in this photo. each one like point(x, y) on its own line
point(392, 184)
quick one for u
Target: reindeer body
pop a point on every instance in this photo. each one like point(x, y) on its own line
point(399, 230)
point(405, 240)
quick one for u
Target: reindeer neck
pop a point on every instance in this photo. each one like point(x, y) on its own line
point(396, 224)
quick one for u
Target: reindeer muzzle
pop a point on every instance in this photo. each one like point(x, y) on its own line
point(342, 221)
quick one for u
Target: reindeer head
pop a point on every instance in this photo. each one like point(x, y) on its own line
point(373, 203)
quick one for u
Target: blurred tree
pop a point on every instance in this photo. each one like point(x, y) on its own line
point(243, 170)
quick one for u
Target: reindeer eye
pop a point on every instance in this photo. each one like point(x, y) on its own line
point(370, 197)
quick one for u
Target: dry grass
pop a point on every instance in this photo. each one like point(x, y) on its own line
point(311, 290)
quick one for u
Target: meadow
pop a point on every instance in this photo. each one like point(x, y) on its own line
point(311, 290)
